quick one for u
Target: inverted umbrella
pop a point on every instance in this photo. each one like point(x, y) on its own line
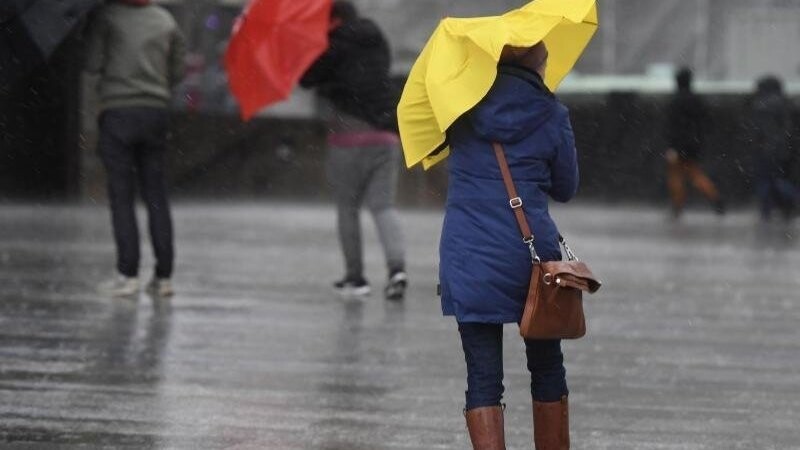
point(31, 30)
point(11, 8)
point(458, 65)
point(274, 42)
point(48, 22)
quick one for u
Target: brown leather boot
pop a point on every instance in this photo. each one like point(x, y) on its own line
point(485, 427)
point(551, 425)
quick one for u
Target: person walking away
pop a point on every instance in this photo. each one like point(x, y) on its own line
point(359, 103)
point(138, 52)
point(770, 130)
point(687, 122)
point(484, 267)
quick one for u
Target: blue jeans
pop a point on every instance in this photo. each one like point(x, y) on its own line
point(483, 351)
point(778, 192)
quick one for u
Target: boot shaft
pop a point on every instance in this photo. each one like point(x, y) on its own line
point(551, 425)
point(485, 427)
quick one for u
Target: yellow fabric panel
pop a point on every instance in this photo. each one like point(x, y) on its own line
point(458, 65)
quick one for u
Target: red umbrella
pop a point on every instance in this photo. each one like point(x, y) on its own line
point(274, 42)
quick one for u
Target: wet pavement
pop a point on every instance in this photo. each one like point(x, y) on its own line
point(693, 343)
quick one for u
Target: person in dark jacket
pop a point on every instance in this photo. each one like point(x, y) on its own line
point(359, 104)
point(770, 128)
point(484, 265)
point(138, 53)
point(687, 123)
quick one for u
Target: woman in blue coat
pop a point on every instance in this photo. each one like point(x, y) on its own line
point(485, 267)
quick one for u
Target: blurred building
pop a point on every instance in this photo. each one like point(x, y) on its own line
point(616, 91)
point(728, 43)
point(640, 43)
point(48, 122)
point(724, 40)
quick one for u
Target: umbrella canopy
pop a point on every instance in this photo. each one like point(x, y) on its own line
point(11, 8)
point(274, 42)
point(31, 30)
point(458, 65)
point(49, 22)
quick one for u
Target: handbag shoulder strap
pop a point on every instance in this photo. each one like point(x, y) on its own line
point(514, 200)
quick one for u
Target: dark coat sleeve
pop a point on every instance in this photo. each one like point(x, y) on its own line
point(564, 165)
point(672, 125)
point(703, 117)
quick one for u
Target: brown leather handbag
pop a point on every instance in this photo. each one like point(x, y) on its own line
point(554, 306)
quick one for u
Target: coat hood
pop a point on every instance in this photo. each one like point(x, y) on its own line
point(517, 105)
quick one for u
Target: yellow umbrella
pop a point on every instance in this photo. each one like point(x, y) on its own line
point(458, 65)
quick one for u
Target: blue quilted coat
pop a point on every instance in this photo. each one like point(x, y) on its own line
point(484, 265)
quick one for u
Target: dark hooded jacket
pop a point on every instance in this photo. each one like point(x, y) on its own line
point(353, 74)
point(484, 265)
point(687, 123)
point(770, 125)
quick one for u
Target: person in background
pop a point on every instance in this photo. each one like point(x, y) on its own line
point(485, 267)
point(687, 122)
point(138, 52)
point(359, 103)
point(770, 131)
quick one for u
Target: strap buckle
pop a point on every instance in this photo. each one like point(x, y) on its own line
point(534, 256)
point(515, 203)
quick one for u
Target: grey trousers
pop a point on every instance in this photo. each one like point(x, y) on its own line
point(366, 176)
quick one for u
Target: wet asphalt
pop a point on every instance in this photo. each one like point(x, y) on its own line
point(693, 342)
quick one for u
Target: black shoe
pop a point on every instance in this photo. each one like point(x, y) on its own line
point(352, 287)
point(396, 288)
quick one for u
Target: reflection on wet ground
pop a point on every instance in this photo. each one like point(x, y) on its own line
point(692, 344)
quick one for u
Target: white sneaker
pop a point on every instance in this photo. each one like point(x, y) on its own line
point(396, 287)
point(121, 286)
point(160, 287)
point(352, 287)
